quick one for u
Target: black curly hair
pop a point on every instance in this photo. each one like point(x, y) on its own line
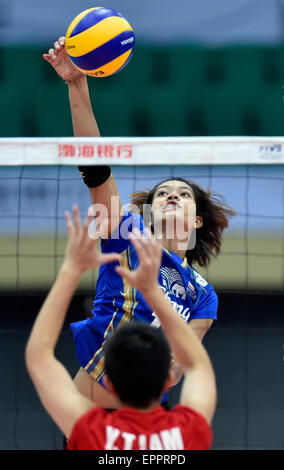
point(214, 212)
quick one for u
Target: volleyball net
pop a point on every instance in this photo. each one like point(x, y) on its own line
point(39, 181)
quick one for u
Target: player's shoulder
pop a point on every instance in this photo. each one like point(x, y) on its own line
point(196, 429)
point(119, 238)
point(203, 294)
point(197, 278)
point(198, 282)
point(188, 415)
point(129, 221)
point(93, 415)
point(179, 408)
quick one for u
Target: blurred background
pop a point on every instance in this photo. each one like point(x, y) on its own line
point(200, 68)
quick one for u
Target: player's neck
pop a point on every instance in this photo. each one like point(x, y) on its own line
point(175, 246)
point(143, 410)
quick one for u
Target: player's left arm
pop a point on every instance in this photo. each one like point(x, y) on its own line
point(201, 326)
point(204, 317)
point(53, 383)
point(55, 387)
point(205, 313)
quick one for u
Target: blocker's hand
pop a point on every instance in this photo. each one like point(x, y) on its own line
point(61, 62)
point(149, 251)
point(81, 253)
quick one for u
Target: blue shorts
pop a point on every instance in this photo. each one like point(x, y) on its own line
point(89, 348)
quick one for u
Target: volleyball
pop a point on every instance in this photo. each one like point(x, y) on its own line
point(100, 42)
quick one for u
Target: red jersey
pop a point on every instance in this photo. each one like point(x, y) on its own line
point(129, 429)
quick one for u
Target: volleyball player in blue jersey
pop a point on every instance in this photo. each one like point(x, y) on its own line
point(176, 203)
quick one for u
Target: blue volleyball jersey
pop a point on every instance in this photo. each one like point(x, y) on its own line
point(117, 302)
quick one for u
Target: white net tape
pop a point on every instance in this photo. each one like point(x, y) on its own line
point(39, 181)
point(142, 151)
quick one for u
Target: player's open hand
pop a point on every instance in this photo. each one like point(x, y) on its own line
point(81, 253)
point(149, 251)
point(60, 61)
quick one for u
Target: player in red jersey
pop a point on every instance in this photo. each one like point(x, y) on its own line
point(139, 422)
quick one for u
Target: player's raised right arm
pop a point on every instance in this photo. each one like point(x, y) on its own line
point(100, 181)
point(83, 119)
